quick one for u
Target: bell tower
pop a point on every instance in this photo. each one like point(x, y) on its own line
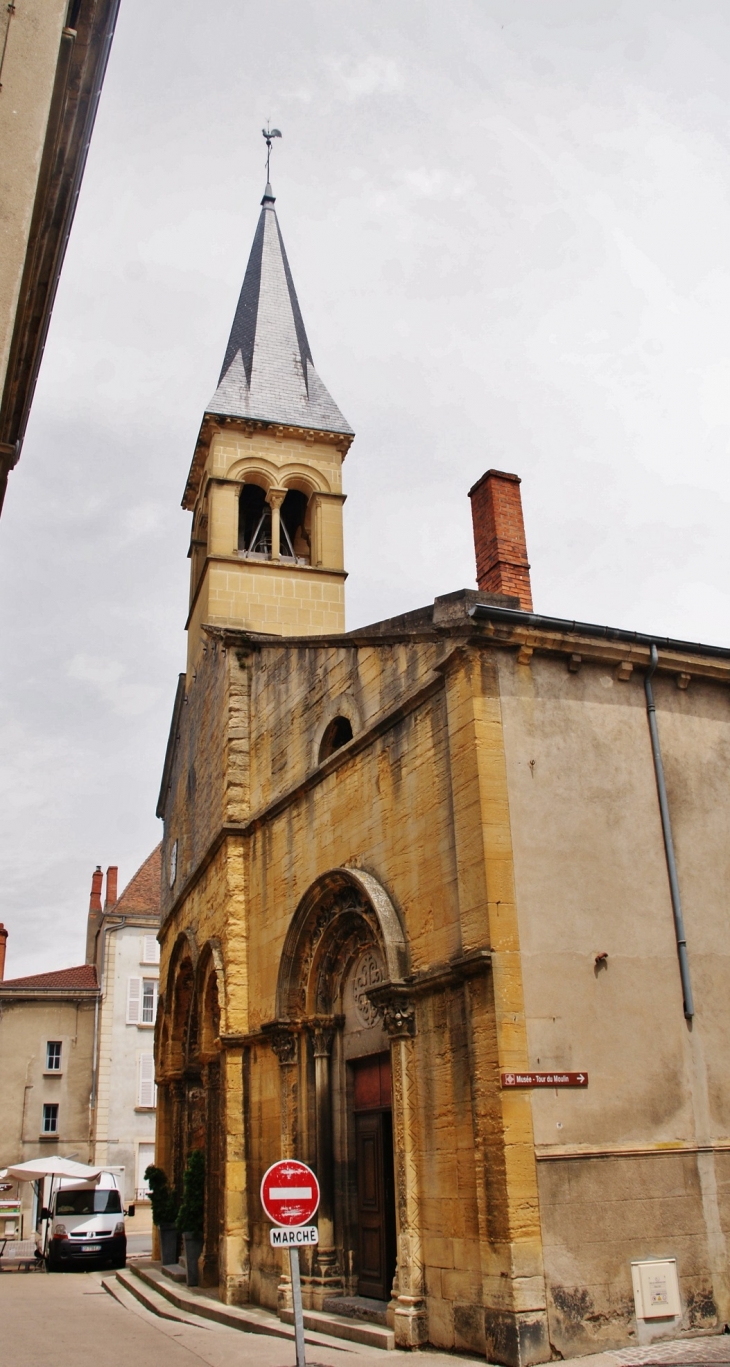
point(265, 484)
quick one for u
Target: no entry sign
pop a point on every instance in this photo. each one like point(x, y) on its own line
point(544, 1079)
point(289, 1192)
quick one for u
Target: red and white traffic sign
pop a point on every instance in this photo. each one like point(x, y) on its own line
point(289, 1192)
point(544, 1079)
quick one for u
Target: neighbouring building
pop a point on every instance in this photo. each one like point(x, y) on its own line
point(46, 1053)
point(53, 56)
point(122, 945)
point(410, 873)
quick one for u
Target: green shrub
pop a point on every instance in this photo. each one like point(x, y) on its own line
point(163, 1200)
point(190, 1214)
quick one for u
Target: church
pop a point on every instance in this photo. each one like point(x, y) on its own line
point(444, 912)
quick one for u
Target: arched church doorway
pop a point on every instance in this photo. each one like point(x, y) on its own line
point(345, 942)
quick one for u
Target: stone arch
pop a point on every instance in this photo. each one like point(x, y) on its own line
point(180, 998)
point(255, 470)
point(344, 912)
point(211, 996)
point(304, 478)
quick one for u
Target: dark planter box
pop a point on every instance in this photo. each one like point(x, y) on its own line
point(168, 1244)
point(193, 1249)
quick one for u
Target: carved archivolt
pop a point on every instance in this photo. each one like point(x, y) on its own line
point(341, 917)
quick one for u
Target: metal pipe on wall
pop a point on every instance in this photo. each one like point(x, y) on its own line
point(679, 930)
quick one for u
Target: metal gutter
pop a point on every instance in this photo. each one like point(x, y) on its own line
point(483, 612)
point(679, 930)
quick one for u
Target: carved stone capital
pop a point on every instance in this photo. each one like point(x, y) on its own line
point(275, 497)
point(397, 1009)
point(322, 1030)
point(283, 1041)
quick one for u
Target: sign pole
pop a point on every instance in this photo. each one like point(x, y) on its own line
point(290, 1197)
point(296, 1295)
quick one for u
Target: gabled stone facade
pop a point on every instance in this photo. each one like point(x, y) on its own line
point(401, 863)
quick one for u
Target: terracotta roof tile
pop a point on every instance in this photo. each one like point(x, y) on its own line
point(142, 893)
point(84, 976)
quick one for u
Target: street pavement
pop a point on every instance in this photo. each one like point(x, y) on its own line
point(71, 1321)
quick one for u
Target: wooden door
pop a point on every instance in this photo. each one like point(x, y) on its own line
point(374, 1201)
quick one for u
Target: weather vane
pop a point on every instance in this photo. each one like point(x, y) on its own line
point(269, 133)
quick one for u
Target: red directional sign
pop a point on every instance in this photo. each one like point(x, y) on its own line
point(544, 1079)
point(289, 1192)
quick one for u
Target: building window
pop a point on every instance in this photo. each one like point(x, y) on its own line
point(141, 1001)
point(50, 1117)
point(150, 950)
point(149, 1001)
point(338, 733)
point(145, 1160)
point(146, 1089)
point(53, 1056)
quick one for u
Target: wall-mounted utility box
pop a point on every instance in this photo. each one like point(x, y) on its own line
point(656, 1289)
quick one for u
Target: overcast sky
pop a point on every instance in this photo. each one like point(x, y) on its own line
point(509, 227)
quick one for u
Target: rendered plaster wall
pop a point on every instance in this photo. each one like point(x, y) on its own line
point(122, 1124)
point(25, 1028)
point(591, 879)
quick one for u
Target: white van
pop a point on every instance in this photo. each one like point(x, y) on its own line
point(84, 1224)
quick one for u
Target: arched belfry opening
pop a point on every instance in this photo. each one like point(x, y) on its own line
point(295, 534)
point(344, 1020)
point(274, 524)
point(254, 522)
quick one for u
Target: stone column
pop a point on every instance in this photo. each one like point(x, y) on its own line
point(326, 1278)
point(275, 498)
point(283, 1041)
point(410, 1322)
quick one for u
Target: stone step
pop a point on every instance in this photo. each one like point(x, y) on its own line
point(175, 1271)
point(343, 1327)
point(123, 1284)
point(357, 1308)
point(197, 1302)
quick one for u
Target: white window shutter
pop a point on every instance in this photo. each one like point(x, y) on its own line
point(150, 950)
point(134, 1001)
point(147, 1094)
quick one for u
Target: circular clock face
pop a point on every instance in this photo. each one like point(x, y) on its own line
point(173, 865)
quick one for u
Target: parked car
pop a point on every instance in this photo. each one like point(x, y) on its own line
point(84, 1224)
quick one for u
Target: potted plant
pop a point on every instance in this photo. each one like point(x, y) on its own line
point(190, 1214)
point(164, 1204)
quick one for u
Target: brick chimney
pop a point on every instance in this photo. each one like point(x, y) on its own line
point(111, 886)
point(3, 947)
point(499, 537)
point(97, 878)
point(95, 914)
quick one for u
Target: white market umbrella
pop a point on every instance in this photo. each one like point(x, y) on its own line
point(38, 1168)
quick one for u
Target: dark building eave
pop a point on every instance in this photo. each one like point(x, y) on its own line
point(82, 62)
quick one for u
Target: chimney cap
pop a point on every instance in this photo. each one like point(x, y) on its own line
point(496, 474)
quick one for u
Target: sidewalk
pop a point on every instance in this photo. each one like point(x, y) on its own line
point(71, 1321)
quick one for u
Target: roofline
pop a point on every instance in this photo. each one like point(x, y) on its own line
point(49, 993)
point(170, 749)
point(485, 612)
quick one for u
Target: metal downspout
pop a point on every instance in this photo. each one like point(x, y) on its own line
point(679, 930)
point(108, 930)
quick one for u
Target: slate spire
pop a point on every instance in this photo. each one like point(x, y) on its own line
point(268, 372)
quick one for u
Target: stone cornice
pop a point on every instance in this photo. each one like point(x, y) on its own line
point(249, 427)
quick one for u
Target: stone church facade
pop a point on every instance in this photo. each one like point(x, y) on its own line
point(402, 865)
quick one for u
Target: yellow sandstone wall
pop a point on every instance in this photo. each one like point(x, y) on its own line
point(418, 787)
